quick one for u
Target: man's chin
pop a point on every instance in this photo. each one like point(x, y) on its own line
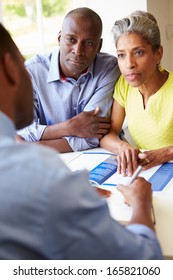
point(76, 69)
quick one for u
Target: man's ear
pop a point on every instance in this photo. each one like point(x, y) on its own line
point(9, 65)
point(59, 37)
point(100, 45)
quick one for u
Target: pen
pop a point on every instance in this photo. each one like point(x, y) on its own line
point(135, 175)
point(132, 179)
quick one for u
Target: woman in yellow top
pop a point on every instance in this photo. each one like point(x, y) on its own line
point(143, 94)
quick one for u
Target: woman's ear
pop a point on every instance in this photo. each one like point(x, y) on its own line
point(159, 54)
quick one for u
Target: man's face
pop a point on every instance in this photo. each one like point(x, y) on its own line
point(79, 43)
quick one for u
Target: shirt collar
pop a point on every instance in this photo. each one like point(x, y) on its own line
point(54, 71)
point(91, 68)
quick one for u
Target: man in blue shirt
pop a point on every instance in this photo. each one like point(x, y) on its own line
point(47, 211)
point(73, 87)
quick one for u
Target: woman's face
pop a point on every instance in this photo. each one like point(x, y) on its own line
point(136, 58)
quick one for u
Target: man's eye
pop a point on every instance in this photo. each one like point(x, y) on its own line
point(70, 40)
point(120, 55)
point(89, 43)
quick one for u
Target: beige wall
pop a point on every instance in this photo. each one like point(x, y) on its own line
point(1, 16)
point(110, 10)
point(163, 11)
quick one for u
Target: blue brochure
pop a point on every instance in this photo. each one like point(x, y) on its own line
point(162, 176)
point(103, 171)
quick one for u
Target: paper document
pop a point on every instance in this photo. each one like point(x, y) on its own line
point(102, 169)
point(159, 176)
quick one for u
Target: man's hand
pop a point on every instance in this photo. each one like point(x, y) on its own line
point(89, 125)
point(139, 190)
point(139, 196)
point(19, 138)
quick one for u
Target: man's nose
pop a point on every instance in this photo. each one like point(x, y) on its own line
point(78, 48)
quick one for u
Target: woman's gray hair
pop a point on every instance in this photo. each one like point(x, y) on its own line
point(139, 22)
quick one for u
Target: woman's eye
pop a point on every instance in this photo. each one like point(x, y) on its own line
point(138, 53)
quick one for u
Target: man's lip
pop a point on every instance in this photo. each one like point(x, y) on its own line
point(77, 62)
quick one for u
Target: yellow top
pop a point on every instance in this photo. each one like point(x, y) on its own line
point(152, 127)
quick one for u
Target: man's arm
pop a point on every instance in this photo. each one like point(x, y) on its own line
point(89, 124)
point(106, 238)
point(61, 145)
point(83, 125)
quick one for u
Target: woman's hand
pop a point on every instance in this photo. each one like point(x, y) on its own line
point(152, 158)
point(127, 159)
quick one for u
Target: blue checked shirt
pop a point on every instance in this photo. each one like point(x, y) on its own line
point(56, 100)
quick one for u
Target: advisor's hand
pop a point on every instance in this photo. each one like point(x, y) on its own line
point(136, 193)
point(139, 196)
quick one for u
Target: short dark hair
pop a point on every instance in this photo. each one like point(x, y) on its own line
point(6, 42)
point(89, 13)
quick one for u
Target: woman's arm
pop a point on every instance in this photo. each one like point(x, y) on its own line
point(111, 141)
point(127, 155)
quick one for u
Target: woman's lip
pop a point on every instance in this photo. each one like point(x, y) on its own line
point(132, 76)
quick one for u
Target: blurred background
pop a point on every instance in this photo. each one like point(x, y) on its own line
point(34, 24)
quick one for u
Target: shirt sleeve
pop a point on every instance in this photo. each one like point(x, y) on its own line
point(80, 144)
point(103, 98)
point(99, 88)
point(121, 91)
point(85, 230)
point(103, 93)
point(32, 132)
